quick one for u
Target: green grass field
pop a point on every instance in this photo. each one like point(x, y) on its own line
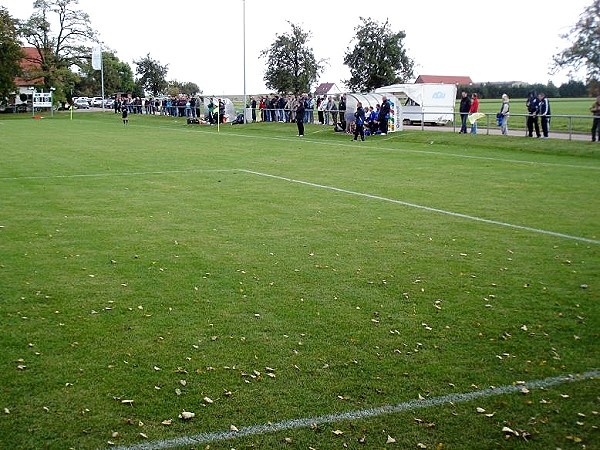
point(252, 277)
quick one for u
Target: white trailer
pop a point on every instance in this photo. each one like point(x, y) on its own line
point(424, 102)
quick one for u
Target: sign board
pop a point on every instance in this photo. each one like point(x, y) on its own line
point(97, 58)
point(42, 100)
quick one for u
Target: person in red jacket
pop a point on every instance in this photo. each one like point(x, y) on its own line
point(473, 109)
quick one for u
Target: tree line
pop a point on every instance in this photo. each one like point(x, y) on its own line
point(375, 57)
point(570, 89)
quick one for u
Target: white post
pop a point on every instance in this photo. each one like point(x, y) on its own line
point(244, 39)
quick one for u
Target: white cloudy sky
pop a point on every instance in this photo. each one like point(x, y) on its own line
point(202, 41)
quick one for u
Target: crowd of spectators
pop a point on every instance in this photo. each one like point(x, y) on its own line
point(283, 109)
point(179, 106)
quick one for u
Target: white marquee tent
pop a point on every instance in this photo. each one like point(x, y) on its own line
point(427, 102)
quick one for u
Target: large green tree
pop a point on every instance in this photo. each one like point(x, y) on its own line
point(187, 88)
point(69, 44)
point(584, 48)
point(10, 54)
point(291, 64)
point(378, 57)
point(152, 75)
point(118, 77)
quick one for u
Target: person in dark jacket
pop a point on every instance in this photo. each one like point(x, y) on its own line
point(465, 106)
point(532, 104)
point(300, 116)
point(384, 115)
point(359, 115)
point(544, 113)
point(595, 110)
point(342, 108)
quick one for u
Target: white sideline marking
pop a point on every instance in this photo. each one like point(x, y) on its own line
point(426, 208)
point(367, 145)
point(114, 174)
point(412, 405)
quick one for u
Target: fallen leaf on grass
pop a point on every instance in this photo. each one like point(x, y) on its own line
point(167, 422)
point(187, 415)
point(390, 440)
point(338, 432)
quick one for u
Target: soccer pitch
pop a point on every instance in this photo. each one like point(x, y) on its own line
point(417, 290)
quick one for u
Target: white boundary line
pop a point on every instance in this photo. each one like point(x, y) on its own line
point(204, 438)
point(427, 208)
point(320, 186)
point(113, 174)
point(364, 145)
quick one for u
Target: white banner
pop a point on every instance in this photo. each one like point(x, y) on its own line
point(97, 58)
point(42, 100)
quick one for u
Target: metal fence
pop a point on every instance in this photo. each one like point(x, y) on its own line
point(573, 127)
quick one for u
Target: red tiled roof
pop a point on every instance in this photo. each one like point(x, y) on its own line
point(29, 63)
point(323, 88)
point(446, 79)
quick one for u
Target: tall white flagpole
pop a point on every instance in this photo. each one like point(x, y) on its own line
point(244, 39)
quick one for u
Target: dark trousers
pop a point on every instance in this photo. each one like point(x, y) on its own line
point(545, 125)
point(463, 122)
point(359, 129)
point(300, 123)
point(383, 125)
point(596, 128)
point(532, 121)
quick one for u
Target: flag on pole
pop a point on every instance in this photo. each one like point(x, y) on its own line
point(97, 58)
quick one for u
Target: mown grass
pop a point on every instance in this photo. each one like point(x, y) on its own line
point(135, 258)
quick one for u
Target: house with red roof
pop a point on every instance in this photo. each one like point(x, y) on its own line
point(25, 83)
point(445, 79)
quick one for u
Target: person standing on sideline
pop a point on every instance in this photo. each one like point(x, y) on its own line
point(359, 115)
point(300, 116)
point(504, 114)
point(532, 119)
point(473, 109)
point(253, 107)
point(544, 113)
point(342, 109)
point(465, 106)
point(595, 110)
point(124, 113)
point(384, 115)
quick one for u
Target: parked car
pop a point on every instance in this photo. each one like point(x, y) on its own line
point(97, 102)
point(82, 103)
point(109, 103)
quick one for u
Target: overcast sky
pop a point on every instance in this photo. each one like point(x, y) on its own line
point(202, 41)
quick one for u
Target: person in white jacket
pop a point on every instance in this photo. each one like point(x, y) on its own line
point(504, 114)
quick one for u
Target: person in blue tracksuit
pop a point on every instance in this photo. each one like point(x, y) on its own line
point(359, 115)
point(544, 113)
